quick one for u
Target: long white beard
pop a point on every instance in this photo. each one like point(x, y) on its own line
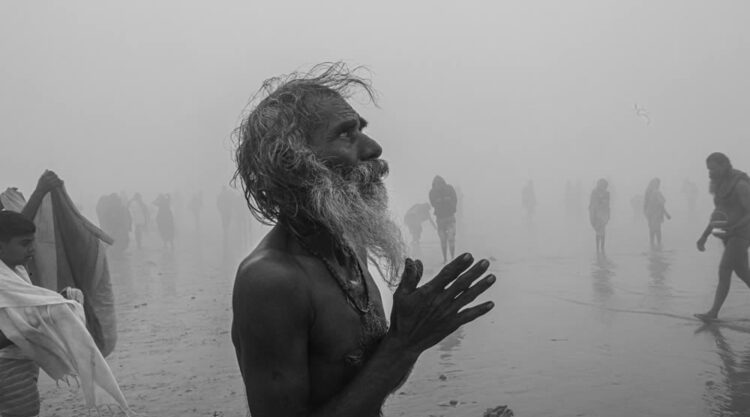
point(354, 207)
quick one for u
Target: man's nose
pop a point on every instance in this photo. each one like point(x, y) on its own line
point(370, 149)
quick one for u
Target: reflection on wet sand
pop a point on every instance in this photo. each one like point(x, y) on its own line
point(729, 397)
point(168, 274)
point(602, 271)
point(659, 263)
point(449, 345)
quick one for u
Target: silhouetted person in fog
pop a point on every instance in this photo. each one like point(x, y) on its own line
point(140, 217)
point(599, 213)
point(528, 200)
point(195, 206)
point(731, 191)
point(165, 220)
point(444, 200)
point(415, 216)
point(654, 208)
point(690, 189)
point(308, 324)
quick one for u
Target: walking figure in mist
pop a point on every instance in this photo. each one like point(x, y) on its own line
point(415, 216)
point(730, 222)
point(140, 216)
point(528, 200)
point(444, 200)
point(654, 208)
point(165, 220)
point(599, 213)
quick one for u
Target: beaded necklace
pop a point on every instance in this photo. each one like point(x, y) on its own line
point(346, 286)
point(374, 325)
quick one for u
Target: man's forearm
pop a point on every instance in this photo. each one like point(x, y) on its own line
point(365, 395)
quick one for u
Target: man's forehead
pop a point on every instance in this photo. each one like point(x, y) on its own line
point(334, 109)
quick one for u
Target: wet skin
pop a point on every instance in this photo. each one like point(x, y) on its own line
point(293, 328)
point(734, 258)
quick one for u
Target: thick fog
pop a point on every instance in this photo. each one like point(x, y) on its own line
point(143, 96)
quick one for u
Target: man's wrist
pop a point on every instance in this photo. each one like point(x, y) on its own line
point(396, 349)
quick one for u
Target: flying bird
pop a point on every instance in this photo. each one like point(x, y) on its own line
point(642, 113)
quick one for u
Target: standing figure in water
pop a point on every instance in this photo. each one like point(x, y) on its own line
point(444, 200)
point(528, 200)
point(139, 214)
point(599, 212)
point(165, 220)
point(731, 191)
point(654, 208)
point(415, 216)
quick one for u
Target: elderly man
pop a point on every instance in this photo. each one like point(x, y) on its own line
point(309, 328)
point(730, 222)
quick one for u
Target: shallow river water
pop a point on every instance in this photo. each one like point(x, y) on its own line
point(572, 334)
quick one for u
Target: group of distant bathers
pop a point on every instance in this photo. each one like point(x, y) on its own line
point(309, 328)
point(652, 204)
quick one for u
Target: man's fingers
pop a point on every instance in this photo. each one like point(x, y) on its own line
point(464, 281)
point(410, 277)
point(470, 314)
point(472, 293)
point(452, 270)
point(420, 269)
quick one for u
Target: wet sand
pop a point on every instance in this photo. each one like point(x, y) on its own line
point(571, 335)
point(174, 354)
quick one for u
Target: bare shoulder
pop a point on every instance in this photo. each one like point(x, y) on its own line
point(743, 186)
point(270, 273)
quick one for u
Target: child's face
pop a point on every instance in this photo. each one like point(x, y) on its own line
point(17, 251)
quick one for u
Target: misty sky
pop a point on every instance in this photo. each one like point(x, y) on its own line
point(143, 95)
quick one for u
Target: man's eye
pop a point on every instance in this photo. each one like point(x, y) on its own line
point(349, 134)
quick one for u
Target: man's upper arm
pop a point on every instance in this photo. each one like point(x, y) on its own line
point(270, 333)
